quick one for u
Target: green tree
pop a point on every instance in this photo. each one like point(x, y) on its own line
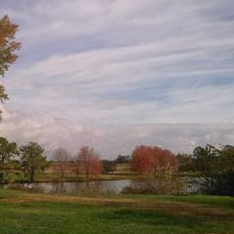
point(8, 46)
point(123, 159)
point(32, 159)
point(186, 162)
point(225, 163)
point(108, 166)
point(205, 159)
point(216, 165)
point(8, 150)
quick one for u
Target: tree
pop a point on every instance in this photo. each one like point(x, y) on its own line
point(143, 159)
point(186, 162)
point(146, 159)
point(32, 159)
point(108, 166)
point(90, 162)
point(61, 157)
point(166, 162)
point(225, 163)
point(76, 166)
point(123, 159)
point(216, 165)
point(8, 150)
point(205, 158)
point(8, 46)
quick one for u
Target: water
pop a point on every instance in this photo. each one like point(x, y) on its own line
point(115, 186)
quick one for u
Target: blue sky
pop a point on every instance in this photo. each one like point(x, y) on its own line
point(122, 72)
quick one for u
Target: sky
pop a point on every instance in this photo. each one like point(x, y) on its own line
point(113, 74)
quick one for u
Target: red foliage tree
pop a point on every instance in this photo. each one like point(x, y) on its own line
point(89, 161)
point(165, 159)
point(143, 159)
point(146, 159)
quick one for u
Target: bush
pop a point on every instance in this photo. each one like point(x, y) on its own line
point(173, 186)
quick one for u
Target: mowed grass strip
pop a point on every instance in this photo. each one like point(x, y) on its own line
point(22, 212)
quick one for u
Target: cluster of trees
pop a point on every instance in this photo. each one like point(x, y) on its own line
point(87, 162)
point(214, 165)
point(110, 165)
point(27, 159)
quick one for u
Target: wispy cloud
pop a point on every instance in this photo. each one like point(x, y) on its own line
point(121, 62)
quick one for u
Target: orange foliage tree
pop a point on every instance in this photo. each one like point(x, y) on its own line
point(143, 159)
point(147, 159)
point(8, 46)
point(89, 161)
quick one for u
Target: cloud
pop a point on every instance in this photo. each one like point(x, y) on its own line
point(121, 63)
point(111, 140)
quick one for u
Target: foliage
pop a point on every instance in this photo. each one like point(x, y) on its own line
point(166, 162)
point(123, 159)
point(174, 186)
point(32, 159)
point(216, 166)
point(108, 166)
point(8, 150)
point(8, 46)
point(186, 162)
point(147, 159)
point(143, 159)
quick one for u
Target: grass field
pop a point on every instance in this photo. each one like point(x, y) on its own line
point(28, 213)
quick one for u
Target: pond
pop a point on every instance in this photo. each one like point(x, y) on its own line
point(113, 186)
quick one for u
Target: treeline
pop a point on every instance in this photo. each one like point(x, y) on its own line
point(214, 165)
point(22, 164)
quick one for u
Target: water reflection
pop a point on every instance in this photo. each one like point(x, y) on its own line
point(73, 187)
point(115, 186)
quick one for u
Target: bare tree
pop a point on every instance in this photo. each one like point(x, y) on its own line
point(61, 158)
point(77, 166)
point(90, 162)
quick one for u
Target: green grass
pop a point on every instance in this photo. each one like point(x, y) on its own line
point(27, 213)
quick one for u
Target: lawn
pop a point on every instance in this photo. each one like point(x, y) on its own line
point(28, 213)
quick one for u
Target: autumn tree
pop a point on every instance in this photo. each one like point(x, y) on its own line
point(61, 157)
point(32, 159)
point(147, 159)
point(8, 150)
point(89, 161)
point(166, 162)
point(143, 159)
point(8, 47)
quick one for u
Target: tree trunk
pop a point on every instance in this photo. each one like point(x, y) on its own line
point(32, 176)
